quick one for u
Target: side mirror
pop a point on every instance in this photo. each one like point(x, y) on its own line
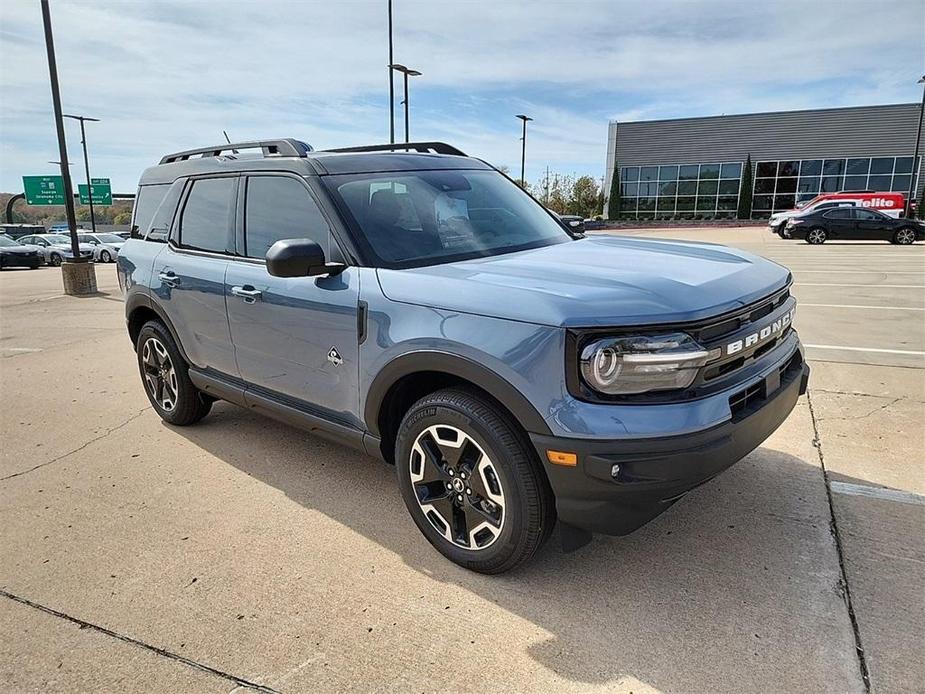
point(299, 258)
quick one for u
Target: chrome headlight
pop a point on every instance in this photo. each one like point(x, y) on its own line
point(641, 363)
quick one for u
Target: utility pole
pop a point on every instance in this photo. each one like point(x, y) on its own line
point(546, 196)
point(83, 141)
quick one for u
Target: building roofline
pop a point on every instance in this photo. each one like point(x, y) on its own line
point(762, 113)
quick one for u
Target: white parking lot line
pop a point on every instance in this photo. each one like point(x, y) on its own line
point(877, 286)
point(862, 272)
point(868, 349)
point(878, 493)
point(878, 308)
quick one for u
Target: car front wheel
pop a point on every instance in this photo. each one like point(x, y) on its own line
point(904, 236)
point(56, 259)
point(165, 376)
point(472, 483)
point(816, 236)
point(105, 257)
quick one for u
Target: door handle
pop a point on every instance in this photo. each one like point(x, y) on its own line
point(247, 292)
point(169, 278)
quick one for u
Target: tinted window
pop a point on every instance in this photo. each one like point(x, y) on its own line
point(866, 214)
point(160, 223)
point(279, 207)
point(146, 202)
point(843, 213)
point(206, 218)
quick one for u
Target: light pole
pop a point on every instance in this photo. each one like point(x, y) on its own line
point(391, 84)
point(523, 149)
point(59, 125)
point(915, 157)
point(407, 72)
point(83, 141)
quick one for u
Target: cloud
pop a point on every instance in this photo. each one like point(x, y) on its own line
point(167, 76)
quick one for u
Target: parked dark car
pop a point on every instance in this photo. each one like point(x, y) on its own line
point(13, 254)
point(854, 223)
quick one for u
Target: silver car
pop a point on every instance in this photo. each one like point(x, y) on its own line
point(56, 248)
point(106, 247)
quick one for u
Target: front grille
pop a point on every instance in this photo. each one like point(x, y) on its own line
point(751, 399)
point(726, 371)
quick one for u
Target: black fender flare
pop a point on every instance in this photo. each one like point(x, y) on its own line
point(454, 365)
point(139, 300)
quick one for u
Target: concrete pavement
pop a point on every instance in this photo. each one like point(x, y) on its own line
point(241, 553)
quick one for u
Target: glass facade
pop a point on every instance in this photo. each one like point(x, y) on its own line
point(779, 185)
point(683, 191)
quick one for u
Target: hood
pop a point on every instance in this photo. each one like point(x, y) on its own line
point(604, 281)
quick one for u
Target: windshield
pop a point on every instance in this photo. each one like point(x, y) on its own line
point(5, 241)
point(412, 218)
point(109, 238)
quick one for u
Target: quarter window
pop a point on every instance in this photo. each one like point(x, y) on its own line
point(207, 215)
point(279, 207)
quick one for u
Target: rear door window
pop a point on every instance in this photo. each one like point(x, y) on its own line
point(207, 218)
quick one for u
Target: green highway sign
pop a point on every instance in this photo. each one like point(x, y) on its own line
point(43, 190)
point(100, 189)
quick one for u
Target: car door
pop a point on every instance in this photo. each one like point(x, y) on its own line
point(188, 278)
point(295, 338)
point(840, 222)
point(872, 225)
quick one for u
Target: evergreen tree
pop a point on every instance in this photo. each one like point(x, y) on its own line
point(745, 191)
point(920, 208)
point(613, 206)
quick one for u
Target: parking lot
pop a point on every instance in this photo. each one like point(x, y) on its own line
point(241, 554)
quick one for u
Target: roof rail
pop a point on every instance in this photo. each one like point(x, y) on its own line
point(286, 147)
point(425, 147)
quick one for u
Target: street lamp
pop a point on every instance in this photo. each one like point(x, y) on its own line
point(407, 72)
point(83, 141)
point(915, 157)
point(523, 150)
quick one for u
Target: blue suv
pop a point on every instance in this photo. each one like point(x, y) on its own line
point(418, 305)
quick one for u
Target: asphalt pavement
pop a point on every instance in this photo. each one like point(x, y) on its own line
point(241, 554)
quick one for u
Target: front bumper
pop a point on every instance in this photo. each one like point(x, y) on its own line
point(11, 260)
point(654, 473)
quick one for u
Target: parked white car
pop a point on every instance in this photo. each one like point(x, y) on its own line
point(56, 247)
point(106, 247)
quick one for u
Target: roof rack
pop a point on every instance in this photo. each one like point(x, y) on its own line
point(425, 147)
point(286, 147)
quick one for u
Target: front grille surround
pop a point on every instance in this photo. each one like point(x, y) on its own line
point(713, 333)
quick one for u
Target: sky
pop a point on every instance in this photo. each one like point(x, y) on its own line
point(172, 75)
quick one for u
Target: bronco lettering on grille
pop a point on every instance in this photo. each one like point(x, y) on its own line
point(766, 333)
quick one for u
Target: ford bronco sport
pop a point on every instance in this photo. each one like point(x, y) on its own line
point(416, 304)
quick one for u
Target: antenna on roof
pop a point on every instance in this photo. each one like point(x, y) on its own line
point(228, 140)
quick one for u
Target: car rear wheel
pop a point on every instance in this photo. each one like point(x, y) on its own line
point(56, 259)
point(105, 257)
point(816, 236)
point(904, 236)
point(165, 376)
point(472, 483)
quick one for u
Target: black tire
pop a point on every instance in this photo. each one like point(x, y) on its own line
point(904, 236)
point(816, 236)
point(188, 405)
point(105, 257)
point(528, 508)
point(56, 260)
